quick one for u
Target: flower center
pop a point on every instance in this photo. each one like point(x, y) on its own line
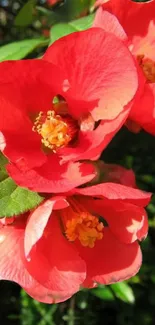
point(86, 228)
point(148, 67)
point(81, 225)
point(56, 131)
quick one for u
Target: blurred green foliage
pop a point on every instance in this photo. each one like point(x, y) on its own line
point(31, 26)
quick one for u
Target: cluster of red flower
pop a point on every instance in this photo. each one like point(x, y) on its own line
point(57, 114)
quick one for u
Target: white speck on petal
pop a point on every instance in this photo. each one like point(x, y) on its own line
point(28, 259)
point(135, 227)
point(2, 238)
point(2, 142)
point(66, 85)
point(131, 47)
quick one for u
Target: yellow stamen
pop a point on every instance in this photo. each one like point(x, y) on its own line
point(148, 67)
point(81, 225)
point(53, 129)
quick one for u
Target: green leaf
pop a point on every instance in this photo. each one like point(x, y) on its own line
point(19, 50)
point(3, 162)
point(123, 292)
point(103, 292)
point(120, 290)
point(25, 15)
point(14, 200)
point(83, 23)
point(51, 16)
point(72, 9)
point(61, 29)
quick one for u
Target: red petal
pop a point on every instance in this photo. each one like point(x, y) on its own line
point(25, 89)
point(29, 84)
point(143, 110)
point(128, 222)
point(38, 220)
point(89, 283)
point(109, 23)
point(134, 17)
point(52, 2)
point(145, 44)
point(54, 262)
point(13, 269)
point(91, 144)
point(42, 294)
point(110, 260)
point(100, 79)
point(58, 179)
point(114, 191)
point(117, 174)
point(11, 265)
point(17, 139)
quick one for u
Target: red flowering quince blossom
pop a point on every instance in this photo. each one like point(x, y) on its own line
point(52, 2)
point(115, 174)
point(138, 22)
point(94, 77)
point(81, 238)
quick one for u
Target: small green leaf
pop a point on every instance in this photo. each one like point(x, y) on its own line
point(25, 15)
point(44, 11)
point(14, 200)
point(123, 292)
point(61, 29)
point(83, 23)
point(19, 50)
point(72, 9)
point(3, 162)
point(103, 292)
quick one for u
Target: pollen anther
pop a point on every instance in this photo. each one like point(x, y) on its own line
point(53, 130)
point(148, 67)
point(84, 227)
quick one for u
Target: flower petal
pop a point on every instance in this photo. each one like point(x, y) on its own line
point(145, 45)
point(38, 220)
point(143, 110)
point(91, 144)
point(58, 179)
point(128, 222)
point(100, 79)
point(114, 191)
point(130, 12)
point(54, 262)
point(110, 260)
point(13, 269)
point(109, 23)
point(117, 174)
point(32, 84)
point(42, 294)
point(11, 243)
point(25, 90)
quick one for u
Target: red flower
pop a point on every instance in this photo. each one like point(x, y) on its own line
point(52, 2)
point(65, 243)
point(94, 77)
point(115, 174)
point(138, 22)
